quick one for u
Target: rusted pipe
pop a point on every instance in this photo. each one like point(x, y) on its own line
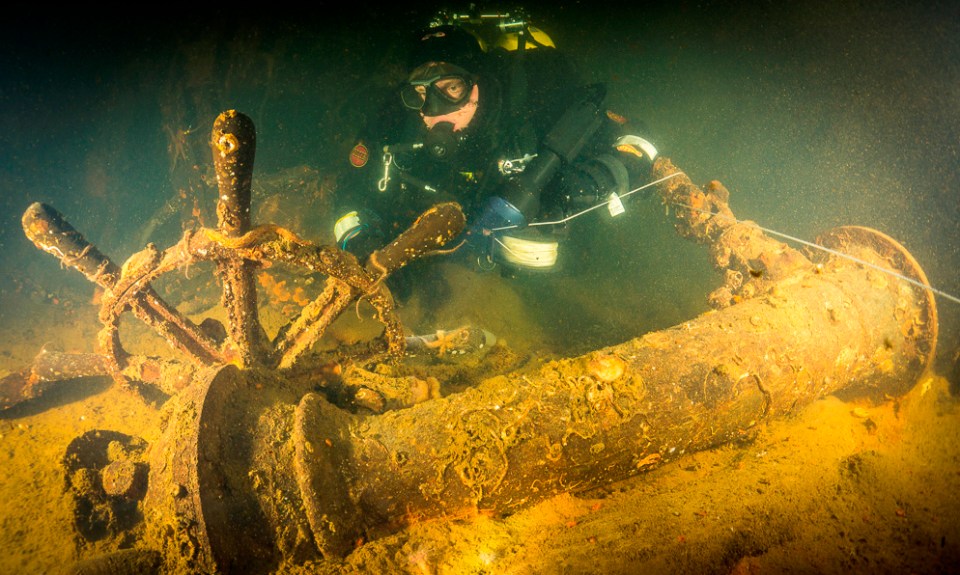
point(585, 422)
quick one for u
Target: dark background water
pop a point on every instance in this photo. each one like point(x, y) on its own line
point(813, 114)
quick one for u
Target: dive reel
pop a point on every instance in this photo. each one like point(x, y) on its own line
point(527, 248)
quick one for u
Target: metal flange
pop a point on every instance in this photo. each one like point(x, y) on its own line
point(917, 309)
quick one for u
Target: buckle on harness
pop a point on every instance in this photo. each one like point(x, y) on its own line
point(515, 166)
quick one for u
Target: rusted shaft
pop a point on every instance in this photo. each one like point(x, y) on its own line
point(234, 147)
point(585, 422)
point(750, 260)
point(51, 369)
point(47, 369)
point(52, 233)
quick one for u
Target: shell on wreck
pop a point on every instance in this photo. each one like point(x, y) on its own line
point(606, 366)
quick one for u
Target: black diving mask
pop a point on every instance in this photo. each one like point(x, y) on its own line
point(437, 88)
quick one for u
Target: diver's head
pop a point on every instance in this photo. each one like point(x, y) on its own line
point(441, 85)
point(443, 92)
point(445, 44)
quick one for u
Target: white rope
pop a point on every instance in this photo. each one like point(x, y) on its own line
point(521, 254)
point(591, 208)
point(893, 273)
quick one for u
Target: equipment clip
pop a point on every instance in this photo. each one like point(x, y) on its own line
point(515, 166)
point(387, 160)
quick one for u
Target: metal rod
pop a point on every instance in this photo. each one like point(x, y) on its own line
point(234, 148)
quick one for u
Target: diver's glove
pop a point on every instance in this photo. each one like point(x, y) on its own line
point(641, 152)
point(497, 213)
point(358, 233)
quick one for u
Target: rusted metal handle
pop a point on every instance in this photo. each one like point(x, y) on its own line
point(234, 144)
point(52, 233)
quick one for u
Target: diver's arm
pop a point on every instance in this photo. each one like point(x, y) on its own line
point(622, 166)
point(519, 201)
point(358, 225)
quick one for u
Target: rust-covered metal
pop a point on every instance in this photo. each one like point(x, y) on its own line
point(51, 232)
point(750, 260)
point(234, 144)
point(428, 233)
point(237, 248)
point(51, 369)
point(46, 371)
point(295, 464)
point(257, 466)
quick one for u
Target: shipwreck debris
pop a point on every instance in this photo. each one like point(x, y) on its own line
point(255, 468)
point(516, 439)
point(237, 248)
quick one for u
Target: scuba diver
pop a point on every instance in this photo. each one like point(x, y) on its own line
point(494, 117)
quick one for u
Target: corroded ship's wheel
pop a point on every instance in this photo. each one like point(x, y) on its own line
point(237, 248)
